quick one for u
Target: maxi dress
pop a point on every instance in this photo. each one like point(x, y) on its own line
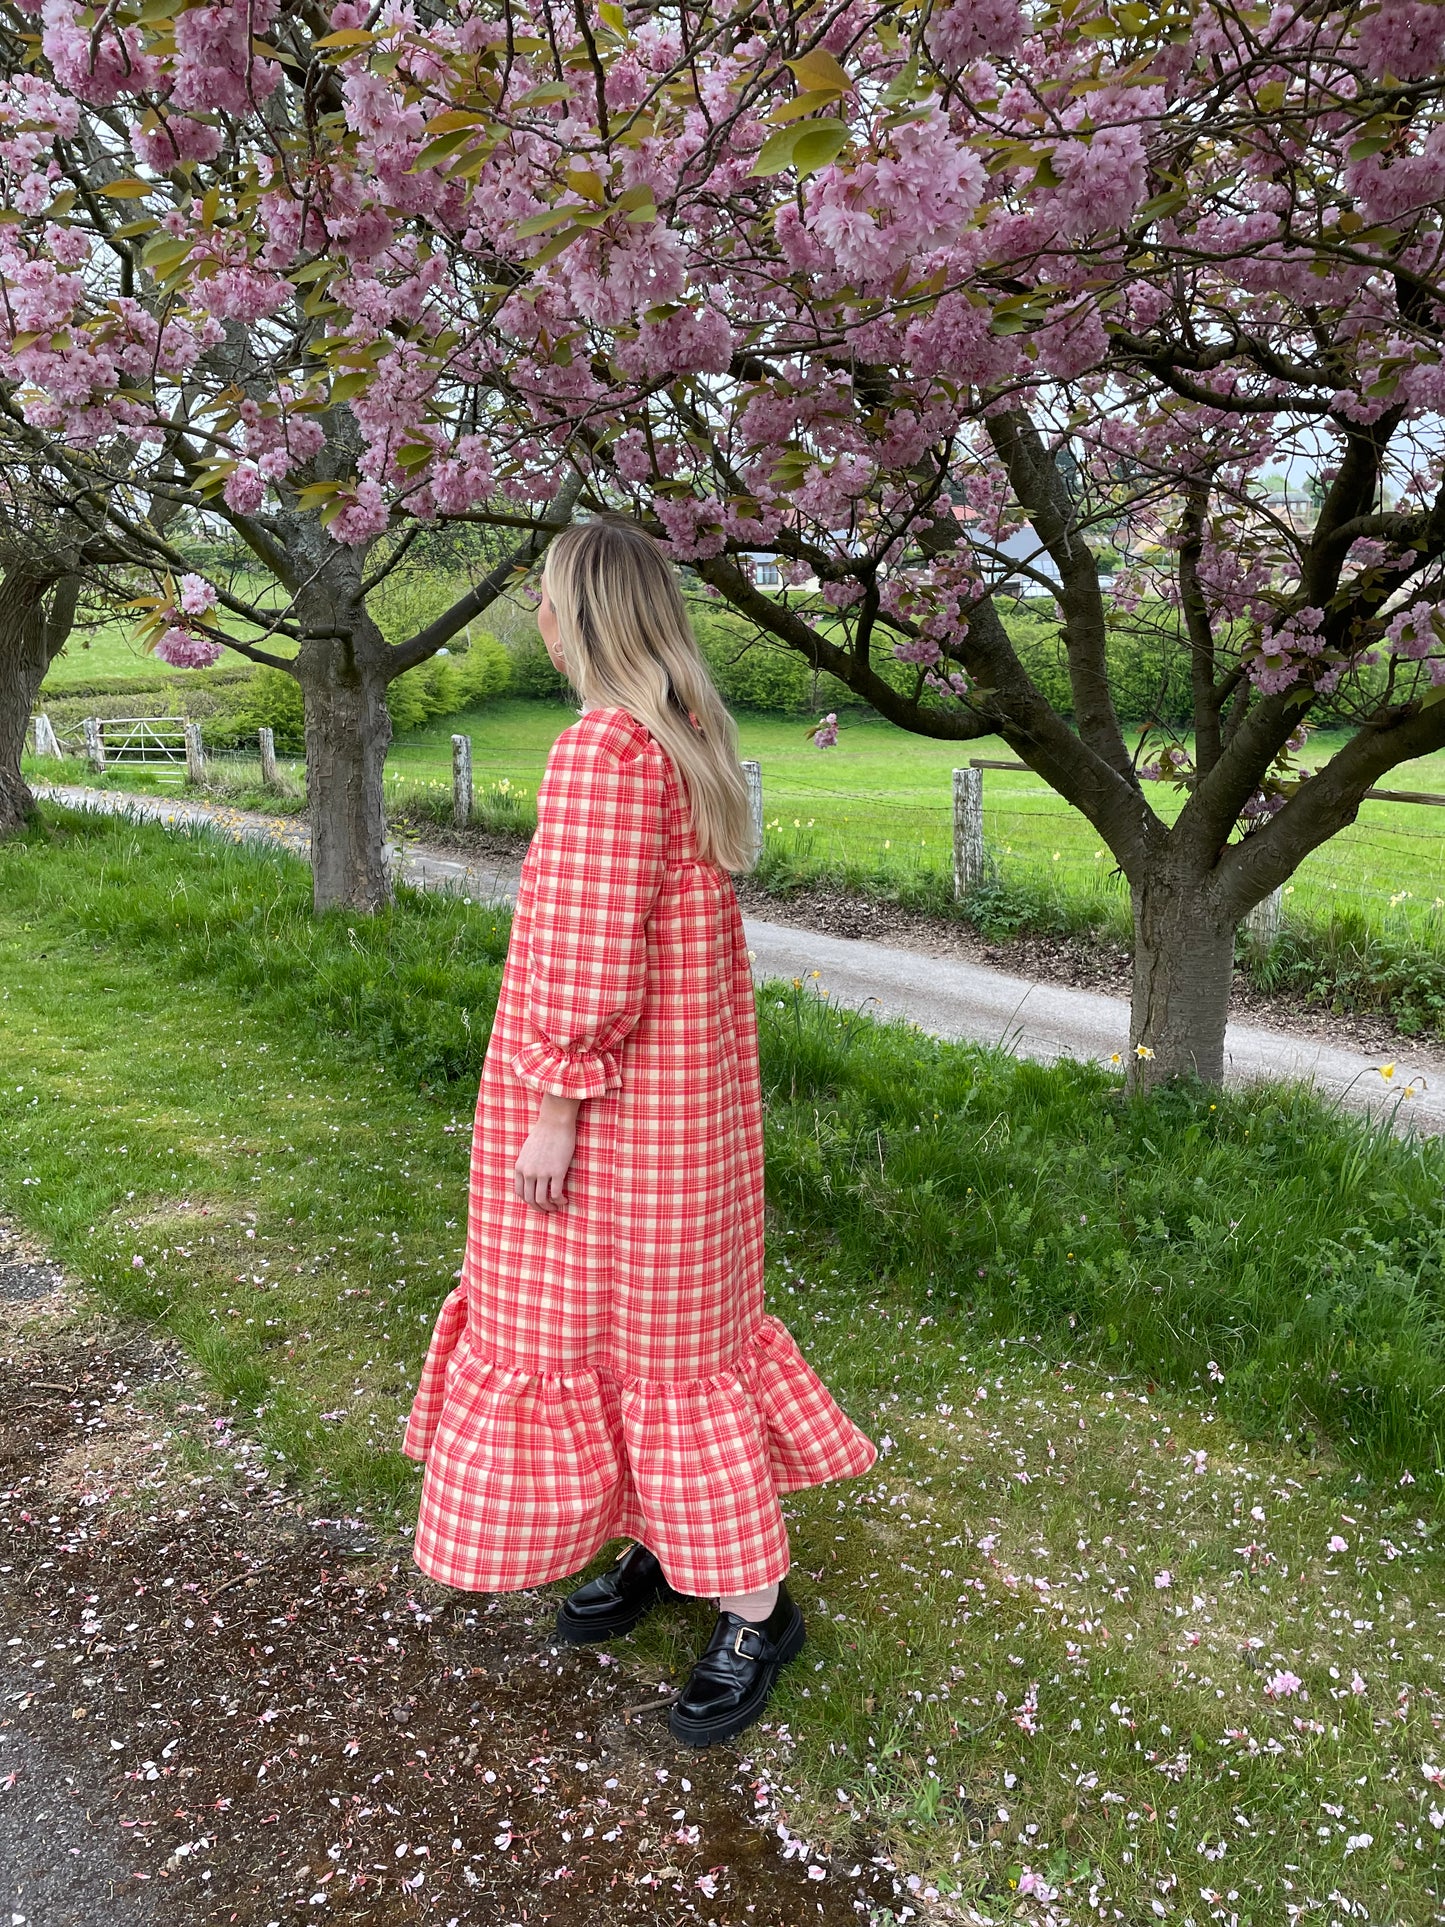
point(606, 1369)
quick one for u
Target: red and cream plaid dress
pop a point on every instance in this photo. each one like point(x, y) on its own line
point(607, 1369)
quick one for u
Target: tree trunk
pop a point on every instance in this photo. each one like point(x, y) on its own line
point(1183, 969)
point(27, 643)
point(348, 732)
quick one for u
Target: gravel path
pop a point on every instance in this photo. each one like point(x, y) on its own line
point(950, 997)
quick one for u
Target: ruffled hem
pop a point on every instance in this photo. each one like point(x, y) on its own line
point(528, 1474)
point(558, 1073)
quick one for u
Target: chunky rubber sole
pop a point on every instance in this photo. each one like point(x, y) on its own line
point(705, 1732)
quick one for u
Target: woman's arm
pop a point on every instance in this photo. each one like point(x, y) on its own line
point(540, 1174)
point(596, 870)
point(596, 874)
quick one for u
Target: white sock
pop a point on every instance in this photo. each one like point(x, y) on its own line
point(756, 1606)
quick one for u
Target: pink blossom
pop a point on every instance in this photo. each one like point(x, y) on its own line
point(1405, 38)
point(1337, 1544)
point(177, 139)
point(970, 29)
point(1416, 632)
point(364, 518)
point(245, 489)
point(197, 595)
point(1103, 180)
point(1282, 1685)
point(183, 649)
point(243, 294)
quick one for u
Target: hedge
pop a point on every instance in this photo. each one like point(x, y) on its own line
point(271, 699)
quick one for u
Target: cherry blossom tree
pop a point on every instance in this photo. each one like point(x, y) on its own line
point(866, 286)
point(178, 196)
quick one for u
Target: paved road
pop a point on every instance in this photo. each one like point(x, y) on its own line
point(951, 999)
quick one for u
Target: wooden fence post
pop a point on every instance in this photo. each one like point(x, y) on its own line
point(46, 741)
point(195, 754)
point(461, 781)
point(753, 774)
point(94, 743)
point(967, 831)
point(267, 739)
point(1262, 922)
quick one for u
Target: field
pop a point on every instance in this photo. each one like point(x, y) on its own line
point(883, 800)
point(1142, 1604)
point(877, 809)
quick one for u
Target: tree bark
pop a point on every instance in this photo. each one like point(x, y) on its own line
point(1183, 970)
point(348, 732)
point(28, 641)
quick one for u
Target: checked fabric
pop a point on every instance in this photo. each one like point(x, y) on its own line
point(607, 1369)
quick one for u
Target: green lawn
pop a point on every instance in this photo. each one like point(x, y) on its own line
point(1143, 1599)
point(883, 800)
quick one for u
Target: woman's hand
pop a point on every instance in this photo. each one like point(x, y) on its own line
point(540, 1174)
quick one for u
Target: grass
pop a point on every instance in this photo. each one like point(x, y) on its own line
point(1341, 950)
point(1092, 1338)
point(875, 813)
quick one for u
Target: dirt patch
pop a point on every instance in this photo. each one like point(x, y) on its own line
point(216, 1707)
point(425, 833)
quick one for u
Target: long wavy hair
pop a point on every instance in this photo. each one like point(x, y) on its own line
point(628, 644)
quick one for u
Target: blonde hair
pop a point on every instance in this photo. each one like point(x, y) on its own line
point(628, 644)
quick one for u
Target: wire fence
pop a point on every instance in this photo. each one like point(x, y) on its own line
point(1389, 866)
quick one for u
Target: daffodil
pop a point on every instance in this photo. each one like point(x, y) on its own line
point(1142, 1051)
point(1387, 1071)
point(1117, 1058)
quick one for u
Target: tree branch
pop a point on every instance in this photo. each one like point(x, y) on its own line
point(1038, 485)
point(425, 643)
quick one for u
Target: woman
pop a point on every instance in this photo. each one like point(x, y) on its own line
point(605, 1368)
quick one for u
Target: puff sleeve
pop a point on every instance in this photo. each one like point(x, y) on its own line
point(597, 868)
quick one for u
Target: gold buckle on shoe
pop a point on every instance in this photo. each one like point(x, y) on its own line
point(738, 1641)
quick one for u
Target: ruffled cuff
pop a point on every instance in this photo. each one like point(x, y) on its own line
point(559, 1073)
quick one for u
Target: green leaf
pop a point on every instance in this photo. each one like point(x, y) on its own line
point(1046, 174)
point(800, 105)
point(164, 254)
point(612, 16)
point(314, 493)
point(129, 189)
point(904, 84)
point(820, 72)
point(558, 245)
point(543, 223)
point(1164, 205)
point(541, 96)
point(347, 387)
point(347, 37)
point(819, 142)
point(1433, 696)
point(807, 146)
point(458, 117)
point(414, 454)
point(442, 148)
point(472, 162)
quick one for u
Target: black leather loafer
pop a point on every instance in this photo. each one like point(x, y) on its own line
point(606, 1608)
point(733, 1680)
